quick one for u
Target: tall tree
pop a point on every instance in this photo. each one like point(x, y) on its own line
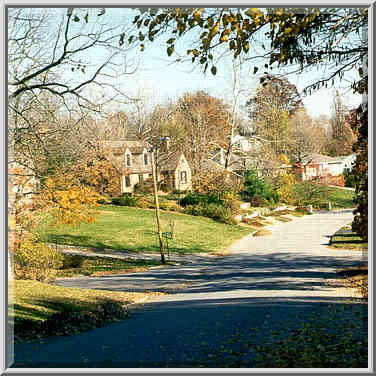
point(306, 136)
point(342, 137)
point(269, 109)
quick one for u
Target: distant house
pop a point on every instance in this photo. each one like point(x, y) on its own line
point(133, 161)
point(23, 184)
point(322, 167)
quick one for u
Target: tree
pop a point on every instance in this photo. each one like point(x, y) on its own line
point(333, 39)
point(306, 136)
point(342, 137)
point(49, 74)
point(202, 126)
point(305, 37)
point(359, 124)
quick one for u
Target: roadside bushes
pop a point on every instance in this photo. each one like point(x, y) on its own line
point(349, 178)
point(126, 199)
point(256, 185)
point(211, 205)
point(72, 261)
point(35, 260)
point(200, 198)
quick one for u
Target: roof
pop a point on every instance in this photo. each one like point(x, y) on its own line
point(318, 158)
point(119, 147)
point(169, 161)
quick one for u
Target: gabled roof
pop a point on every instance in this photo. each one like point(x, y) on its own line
point(318, 158)
point(117, 147)
point(169, 161)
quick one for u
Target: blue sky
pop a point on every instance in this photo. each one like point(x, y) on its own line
point(161, 80)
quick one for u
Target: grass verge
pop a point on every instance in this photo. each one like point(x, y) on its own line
point(356, 278)
point(262, 233)
point(98, 266)
point(134, 229)
point(345, 238)
point(42, 310)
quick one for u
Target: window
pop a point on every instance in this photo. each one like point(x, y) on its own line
point(183, 177)
point(128, 159)
point(146, 160)
point(127, 181)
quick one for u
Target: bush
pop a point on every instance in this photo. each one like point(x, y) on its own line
point(219, 213)
point(72, 261)
point(126, 199)
point(170, 206)
point(194, 209)
point(143, 187)
point(310, 193)
point(229, 200)
point(199, 198)
point(349, 178)
point(257, 201)
point(255, 185)
point(285, 191)
point(35, 260)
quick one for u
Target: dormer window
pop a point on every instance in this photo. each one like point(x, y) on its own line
point(146, 159)
point(128, 160)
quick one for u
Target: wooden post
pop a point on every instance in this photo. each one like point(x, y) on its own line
point(157, 208)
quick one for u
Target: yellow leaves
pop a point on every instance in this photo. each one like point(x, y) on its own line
point(214, 30)
point(195, 52)
point(197, 15)
point(253, 13)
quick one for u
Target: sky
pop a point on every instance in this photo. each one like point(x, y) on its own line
point(158, 80)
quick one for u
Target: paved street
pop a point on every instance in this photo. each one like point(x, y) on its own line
point(266, 282)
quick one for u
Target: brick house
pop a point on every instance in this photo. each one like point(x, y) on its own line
point(133, 161)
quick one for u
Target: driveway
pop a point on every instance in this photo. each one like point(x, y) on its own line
point(264, 284)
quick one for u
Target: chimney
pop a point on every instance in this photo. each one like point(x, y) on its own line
point(165, 144)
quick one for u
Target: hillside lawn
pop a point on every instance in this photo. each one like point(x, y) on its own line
point(40, 309)
point(133, 229)
point(340, 198)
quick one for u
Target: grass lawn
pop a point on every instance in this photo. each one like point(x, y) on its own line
point(134, 229)
point(42, 309)
point(340, 198)
point(345, 238)
point(98, 266)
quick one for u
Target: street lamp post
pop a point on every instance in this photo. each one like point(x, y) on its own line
point(154, 173)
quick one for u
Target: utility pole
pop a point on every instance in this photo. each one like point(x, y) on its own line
point(154, 173)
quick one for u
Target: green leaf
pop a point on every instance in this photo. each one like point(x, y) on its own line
point(87, 17)
point(170, 50)
point(76, 19)
point(255, 69)
point(170, 41)
point(214, 70)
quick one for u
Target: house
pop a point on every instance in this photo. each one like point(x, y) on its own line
point(323, 168)
point(23, 184)
point(245, 144)
point(134, 163)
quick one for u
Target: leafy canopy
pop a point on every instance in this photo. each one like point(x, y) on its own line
point(306, 37)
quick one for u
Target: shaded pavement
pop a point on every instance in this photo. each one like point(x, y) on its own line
point(264, 284)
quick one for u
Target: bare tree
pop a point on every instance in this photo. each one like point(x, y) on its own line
point(55, 57)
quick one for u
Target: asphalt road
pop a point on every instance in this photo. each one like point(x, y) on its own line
point(269, 283)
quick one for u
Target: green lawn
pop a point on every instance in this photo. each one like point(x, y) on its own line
point(41, 309)
point(340, 198)
point(134, 229)
point(99, 266)
point(345, 238)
